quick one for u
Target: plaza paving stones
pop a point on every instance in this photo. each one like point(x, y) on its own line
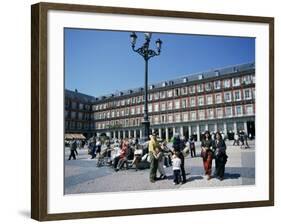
point(82, 175)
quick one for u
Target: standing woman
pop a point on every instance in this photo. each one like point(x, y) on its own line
point(220, 156)
point(207, 153)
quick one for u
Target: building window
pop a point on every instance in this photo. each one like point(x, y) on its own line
point(162, 94)
point(177, 104)
point(81, 106)
point(170, 118)
point(191, 89)
point(228, 111)
point(73, 115)
point(192, 101)
point(132, 110)
point(218, 98)
point(177, 118)
point(254, 93)
point(150, 108)
point(249, 109)
point(210, 114)
point(185, 116)
point(219, 112)
point(73, 105)
point(184, 90)
point(156, 120)
point(193, 115)
point(227, 96)
point(163, 106)
point(170, 105)
point(208, 86)
point(200, 100)
point(113, 113)
point(177, 92)
point(247, 94)
point(156, 96)
point(217, 84)
point(170, 93)
point(163, 119)
point(149, 97)
point(209, 99)
point(239, 110)
point(127, 111)
point(200, 88)
point(183, 103)
point(236, 81)
point(247, 79)
point(226, 83)
point(237, 95)
point(201, 114)
point(156, 107)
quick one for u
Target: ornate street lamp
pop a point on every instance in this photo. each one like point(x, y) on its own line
point(146, 53)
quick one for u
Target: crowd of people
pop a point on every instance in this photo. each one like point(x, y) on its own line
point(154, 154)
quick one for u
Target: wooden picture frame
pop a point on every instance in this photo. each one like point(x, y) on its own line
point(39, 108)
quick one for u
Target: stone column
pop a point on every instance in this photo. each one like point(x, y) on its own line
point(215, 127)
point(189, 131)
point(114, 134)
point(235, 127)
point(245, 127)
point(140, 133)
point(224, 129)
point(135, 133)
point(198, 132)
point(119, 134)
point(181, 130)
point(160, 133)
point(129, 133)
point(124, 134)
point(167, 134)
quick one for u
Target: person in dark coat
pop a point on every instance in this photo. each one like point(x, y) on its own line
point(73, 148)
point(178, 146)
point(220, 156)
point(207, 153)
point(192, 147)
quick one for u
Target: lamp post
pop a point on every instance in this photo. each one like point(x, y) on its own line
point(146, 53)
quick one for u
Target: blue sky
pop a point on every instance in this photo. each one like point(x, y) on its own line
point(102, 62)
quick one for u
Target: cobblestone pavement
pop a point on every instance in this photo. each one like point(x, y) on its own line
point(82, 175)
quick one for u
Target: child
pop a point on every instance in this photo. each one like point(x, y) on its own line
point(160, 157)
point(176, 167)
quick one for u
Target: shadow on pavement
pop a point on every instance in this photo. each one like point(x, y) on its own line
point(231, 175)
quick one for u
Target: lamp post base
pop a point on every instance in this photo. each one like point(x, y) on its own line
point(146, 130)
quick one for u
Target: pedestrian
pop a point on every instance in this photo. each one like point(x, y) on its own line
point(176, 161)
point(192, 147)
point(178, 146)
point(152, 146)
point(246, 140)
point(160, 157)
point(236, 139)
point(98, 146)
point(93, 148)
point(73, 147)
point(220, 156)
point(207, 154)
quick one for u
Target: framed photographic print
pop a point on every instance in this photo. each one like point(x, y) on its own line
point(139, 111)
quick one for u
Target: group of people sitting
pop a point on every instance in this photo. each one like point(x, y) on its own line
point(128, 153)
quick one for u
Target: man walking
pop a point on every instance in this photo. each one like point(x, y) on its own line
point(73, 148)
